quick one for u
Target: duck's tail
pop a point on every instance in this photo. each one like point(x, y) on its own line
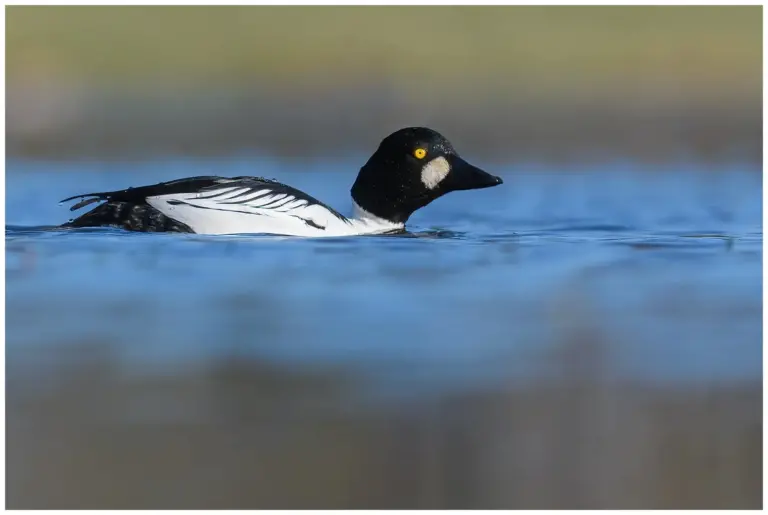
point(122, 215)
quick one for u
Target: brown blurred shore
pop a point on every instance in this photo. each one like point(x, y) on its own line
point(513, 83)
point(317, 124)
point(242, 435)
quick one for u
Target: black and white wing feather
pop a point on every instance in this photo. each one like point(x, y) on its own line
point(140, 194)
point(249, 205)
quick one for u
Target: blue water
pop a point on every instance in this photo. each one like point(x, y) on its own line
point(659, 265)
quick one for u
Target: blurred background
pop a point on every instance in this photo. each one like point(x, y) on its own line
point(587, 335)
point(512, 82)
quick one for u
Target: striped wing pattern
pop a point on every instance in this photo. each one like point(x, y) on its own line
point(235, 205)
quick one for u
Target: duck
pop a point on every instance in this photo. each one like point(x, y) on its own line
point(411, 168)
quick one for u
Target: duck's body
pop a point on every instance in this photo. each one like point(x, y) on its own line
point(396, 181)
point(225, 205)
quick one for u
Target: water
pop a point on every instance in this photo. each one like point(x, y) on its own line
point(649, 276)
point(668, 262)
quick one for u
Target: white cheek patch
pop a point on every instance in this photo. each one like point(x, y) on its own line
point(434, 172)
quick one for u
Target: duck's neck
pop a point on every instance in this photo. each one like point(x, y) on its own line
point(361, 216)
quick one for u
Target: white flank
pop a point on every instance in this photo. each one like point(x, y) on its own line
point(224, 212)
point(434, 172)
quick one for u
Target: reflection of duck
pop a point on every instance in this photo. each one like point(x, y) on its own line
point(411, 168)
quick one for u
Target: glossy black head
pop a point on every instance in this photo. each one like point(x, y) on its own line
point(411, 168)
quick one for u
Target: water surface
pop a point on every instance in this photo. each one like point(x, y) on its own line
point(665, 262)
point(588, 334)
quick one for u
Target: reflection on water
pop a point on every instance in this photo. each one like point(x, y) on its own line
point(570, 340)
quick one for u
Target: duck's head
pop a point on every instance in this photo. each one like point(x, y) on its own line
point(411, 168)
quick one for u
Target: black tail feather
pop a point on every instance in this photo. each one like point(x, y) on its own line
point(95, 197)
point(83, 203)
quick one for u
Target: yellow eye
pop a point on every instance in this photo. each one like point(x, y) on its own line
point(419, 153)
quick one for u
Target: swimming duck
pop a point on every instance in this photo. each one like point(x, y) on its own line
point(411, 168)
